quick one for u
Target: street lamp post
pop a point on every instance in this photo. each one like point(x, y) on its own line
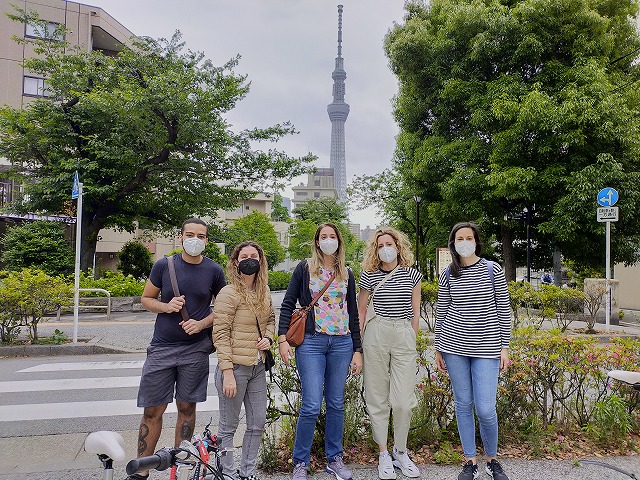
point(417, 199)
point(527, 219)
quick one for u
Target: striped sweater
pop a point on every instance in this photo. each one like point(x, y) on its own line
point(473, 316)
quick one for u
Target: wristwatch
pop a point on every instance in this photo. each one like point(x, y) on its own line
point(358, 349)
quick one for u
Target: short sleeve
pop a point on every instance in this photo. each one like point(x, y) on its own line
point(365, 281)
point(157, 271)
point(415, 275)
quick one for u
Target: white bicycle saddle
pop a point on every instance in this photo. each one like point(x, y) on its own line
point(105, 442)
point(632, 378)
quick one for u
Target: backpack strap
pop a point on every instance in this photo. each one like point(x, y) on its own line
point(447, 273)
point(174, 286)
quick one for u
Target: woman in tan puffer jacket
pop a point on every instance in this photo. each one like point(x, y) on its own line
point(243, 329)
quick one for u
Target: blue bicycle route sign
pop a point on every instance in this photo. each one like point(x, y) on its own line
point(608, 197)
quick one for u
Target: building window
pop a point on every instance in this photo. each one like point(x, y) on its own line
point(48, 31)
point(316, 182)
point(316, 194)
point(302, 194)
point(35, 87)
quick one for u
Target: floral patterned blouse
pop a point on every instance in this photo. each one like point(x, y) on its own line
point(331, 313)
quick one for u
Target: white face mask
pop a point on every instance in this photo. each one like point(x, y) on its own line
point(328, 245)
point(193, 246)
point(387, 254)
point(465, 248)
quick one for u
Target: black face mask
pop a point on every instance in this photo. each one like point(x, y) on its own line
point(249, 266)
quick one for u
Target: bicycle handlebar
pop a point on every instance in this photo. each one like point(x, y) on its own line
point(161, 460)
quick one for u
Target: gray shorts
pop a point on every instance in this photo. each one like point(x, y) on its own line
point(180, 368)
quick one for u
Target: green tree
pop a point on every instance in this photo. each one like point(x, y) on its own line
point(135, 259)
point(257, 227)
point(301, 235)
point(506, 105)
point(146, 129)
point(279, 213)
point(40, 244)
point(212, 250)
point(320, 210)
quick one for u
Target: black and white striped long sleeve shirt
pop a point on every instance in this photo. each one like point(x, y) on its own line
point(473, 316)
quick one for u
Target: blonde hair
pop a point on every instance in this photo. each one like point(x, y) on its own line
point(259, 299)
point(372, 262)
point(339, 264)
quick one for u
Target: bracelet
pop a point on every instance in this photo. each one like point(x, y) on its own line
point(280, 343)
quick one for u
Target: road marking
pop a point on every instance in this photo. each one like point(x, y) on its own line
point(60, 367)
point(49, 411)
point(69, 384)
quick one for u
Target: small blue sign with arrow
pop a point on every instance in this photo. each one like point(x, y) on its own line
point(75, 191)
point(608, 197)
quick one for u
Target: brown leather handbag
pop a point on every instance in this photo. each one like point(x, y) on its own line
point(298, 323)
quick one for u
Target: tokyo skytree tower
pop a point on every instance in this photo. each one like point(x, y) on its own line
point(338, 112)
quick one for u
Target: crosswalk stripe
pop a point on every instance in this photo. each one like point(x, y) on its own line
point(61, 367)
point(68, 384)
point(49, 411)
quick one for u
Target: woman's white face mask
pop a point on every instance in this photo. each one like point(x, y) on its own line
point(329, 246)
point(465, 248)
point(387, 254)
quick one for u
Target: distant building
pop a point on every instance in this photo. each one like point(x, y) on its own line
point(319, 185)
point(354, 228)
point(366, 233)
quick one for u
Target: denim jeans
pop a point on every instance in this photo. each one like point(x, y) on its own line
point(323, 364)
point(475, 383)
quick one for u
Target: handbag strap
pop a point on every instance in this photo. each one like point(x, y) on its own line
point(258, 325)
point(321, 292)
point(386, 277)
point(174, 286)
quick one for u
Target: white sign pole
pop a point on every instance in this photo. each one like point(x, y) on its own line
point(607, 304)
point(76, 288)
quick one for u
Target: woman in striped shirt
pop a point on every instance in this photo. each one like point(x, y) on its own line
point(389, 343)
point(473, 330)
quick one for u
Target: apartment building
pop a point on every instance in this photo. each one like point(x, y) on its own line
point(320, 184)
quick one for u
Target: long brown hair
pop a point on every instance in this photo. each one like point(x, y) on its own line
point(372, 261)
point(455, 269)
point(258, 299)
point(339, 264)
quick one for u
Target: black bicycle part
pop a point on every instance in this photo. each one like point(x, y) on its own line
point(606, 465)
point(161, 460)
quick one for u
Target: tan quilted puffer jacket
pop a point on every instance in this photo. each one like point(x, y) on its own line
point(235, 333)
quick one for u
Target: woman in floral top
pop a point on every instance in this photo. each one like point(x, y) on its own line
point(331, 346)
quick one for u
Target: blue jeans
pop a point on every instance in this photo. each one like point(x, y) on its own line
point(475, 383)
point(323, 365)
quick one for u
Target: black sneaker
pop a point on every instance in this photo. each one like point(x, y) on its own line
point(494, 469)
point(469, 471)
point(250, 477)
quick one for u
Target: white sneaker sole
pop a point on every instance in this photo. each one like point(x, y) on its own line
point(387, 476)
point(333, 472)
point(405, 472)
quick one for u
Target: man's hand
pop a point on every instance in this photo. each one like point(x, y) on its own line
point(175, 304)
point(192, 326)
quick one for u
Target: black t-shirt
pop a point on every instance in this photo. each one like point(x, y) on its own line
point(199, 283)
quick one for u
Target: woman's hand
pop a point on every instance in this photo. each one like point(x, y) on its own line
point(440, 363)
point(356, 363)
point(285, 350)
point(504, 360)
point(229, 388)
point(263, 344)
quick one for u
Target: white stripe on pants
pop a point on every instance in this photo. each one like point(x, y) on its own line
point(389, 347)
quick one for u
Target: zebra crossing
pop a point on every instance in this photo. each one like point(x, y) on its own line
point(59, 394)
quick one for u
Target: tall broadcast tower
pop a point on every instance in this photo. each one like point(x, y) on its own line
point(338, 112)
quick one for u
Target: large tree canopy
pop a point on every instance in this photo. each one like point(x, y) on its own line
point(511, 104)
point(145, 129)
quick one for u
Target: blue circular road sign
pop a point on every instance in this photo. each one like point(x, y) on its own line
point(608, 197)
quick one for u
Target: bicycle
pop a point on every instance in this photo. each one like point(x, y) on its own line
point(633, 379)
point(197, 460)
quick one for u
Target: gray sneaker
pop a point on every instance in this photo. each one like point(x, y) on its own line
point(299, 472)
point(338, 469)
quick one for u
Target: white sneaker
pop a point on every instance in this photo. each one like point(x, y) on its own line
point(402, 461)
point(385, 466)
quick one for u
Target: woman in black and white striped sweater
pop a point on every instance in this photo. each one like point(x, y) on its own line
point(473, 330)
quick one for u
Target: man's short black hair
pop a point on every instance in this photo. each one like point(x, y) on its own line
point(194, 220)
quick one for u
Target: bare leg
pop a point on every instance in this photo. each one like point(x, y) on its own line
point(186, 421)
point(150, 429)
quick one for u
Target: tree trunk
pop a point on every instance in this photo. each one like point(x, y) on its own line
point(508, 253)
point(89, 239)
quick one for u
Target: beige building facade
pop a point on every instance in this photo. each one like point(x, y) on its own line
point(320, 184)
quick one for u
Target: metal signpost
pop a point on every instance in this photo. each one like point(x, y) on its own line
point(76, 193)
point(608, 197)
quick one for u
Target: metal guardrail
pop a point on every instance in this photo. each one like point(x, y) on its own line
point(107, 306)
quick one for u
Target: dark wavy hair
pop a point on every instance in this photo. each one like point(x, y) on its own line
point(456, 269)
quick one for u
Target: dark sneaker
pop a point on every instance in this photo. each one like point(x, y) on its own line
point(299, 472)
point(469, 471)
point(250, 477)
point(494, 469)
point(338, 469)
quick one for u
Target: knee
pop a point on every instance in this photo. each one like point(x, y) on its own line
point(486, 414)
point(153, 413)
point(310, 408)
point(186, 409)
point(401, 410)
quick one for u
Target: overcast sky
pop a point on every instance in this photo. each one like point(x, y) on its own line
point(288, 50)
